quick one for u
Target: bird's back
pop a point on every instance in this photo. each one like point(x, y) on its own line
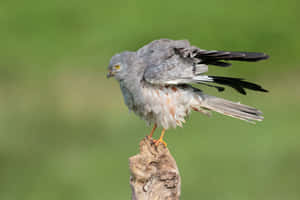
point(159, 51)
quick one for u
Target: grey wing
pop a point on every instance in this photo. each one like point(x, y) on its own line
point(175, 70)
point(168, 64)
point(219, 58)
point(186, 65)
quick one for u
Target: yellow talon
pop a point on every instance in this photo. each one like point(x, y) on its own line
point(160, 140)
point(157, 142)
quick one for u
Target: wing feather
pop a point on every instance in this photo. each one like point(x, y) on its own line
point(213, 57)
point(175, 70)
point(185, 64)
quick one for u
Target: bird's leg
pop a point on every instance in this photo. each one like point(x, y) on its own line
point(153, 129)
point(160, 140)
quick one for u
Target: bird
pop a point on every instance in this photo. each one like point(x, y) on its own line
point(158, 83)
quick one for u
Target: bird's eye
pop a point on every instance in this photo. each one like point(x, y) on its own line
point(117, 67)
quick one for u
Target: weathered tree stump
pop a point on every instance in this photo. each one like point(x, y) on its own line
point(154, 173)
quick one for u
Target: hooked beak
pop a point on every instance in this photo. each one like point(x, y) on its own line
point(110, 74)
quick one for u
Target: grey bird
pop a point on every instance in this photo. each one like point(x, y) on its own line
point(156, 83)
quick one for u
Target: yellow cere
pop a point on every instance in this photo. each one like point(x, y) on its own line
point(117, 66)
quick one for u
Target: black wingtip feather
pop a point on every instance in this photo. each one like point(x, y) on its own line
point(238, 84)
point(246, 56)
point(218, 63)
point(216, 57)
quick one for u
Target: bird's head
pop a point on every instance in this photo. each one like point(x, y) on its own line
point(118, 65)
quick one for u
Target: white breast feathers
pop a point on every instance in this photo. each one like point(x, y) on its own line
point(167, 106)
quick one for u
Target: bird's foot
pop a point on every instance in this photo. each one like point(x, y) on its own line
point(160, 140)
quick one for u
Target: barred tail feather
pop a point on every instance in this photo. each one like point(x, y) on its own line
point(232, 109)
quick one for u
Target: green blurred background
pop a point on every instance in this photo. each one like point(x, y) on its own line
point(65, 132)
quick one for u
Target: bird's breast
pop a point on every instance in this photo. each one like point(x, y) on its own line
point(167, 106)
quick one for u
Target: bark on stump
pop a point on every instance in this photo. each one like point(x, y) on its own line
point(154, 173)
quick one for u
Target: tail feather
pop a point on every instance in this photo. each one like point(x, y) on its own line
point(232, 109)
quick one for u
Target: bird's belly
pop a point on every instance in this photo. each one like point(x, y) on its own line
point(167, 106)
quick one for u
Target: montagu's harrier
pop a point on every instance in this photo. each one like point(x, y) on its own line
point(156, 82)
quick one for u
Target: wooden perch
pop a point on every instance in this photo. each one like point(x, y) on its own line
point(154, 173)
